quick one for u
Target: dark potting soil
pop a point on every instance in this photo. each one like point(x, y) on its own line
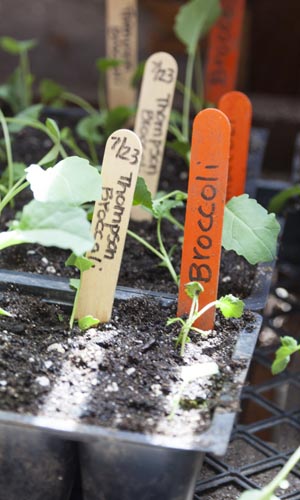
point(140, 268)
point(125, 374)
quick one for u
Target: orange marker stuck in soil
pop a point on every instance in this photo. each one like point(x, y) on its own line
point(201, 251)
point(237, 107)
point(224, 51)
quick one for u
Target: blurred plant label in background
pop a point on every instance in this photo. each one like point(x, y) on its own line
point(120, 168)
point(201, 252)
point(238, 109)
point(223, 51)
point(152, 119)
point(121, 45)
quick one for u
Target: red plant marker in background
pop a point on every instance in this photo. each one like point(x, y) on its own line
point(237, 107)
point(224, 51)
point(202, 242)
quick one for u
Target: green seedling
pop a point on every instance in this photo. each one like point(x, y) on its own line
point(230, 307)
point(193, 21)
point(248, 228)
point(4, 313)
point(17, 92)
point(160, 207)
point(279, 202)
point(283, 355)
point(55, 217)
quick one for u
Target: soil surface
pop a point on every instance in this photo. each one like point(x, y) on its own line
point(126, 374)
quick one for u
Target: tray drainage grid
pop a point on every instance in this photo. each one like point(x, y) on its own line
point(268, 430)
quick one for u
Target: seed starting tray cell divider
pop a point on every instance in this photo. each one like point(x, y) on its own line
point(268, 457)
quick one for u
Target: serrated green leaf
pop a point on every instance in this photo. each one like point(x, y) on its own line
point(193, 21)
point(51, 224)
point(142, 195)
point(278, 202)
point(72, 181)
point(87, 322)
point(29, 114)
point(80, 262)
point(193, 288)
point(16, 47)
point(230, 306)
point(90, 128)
point(249, 230)
point(4, 313)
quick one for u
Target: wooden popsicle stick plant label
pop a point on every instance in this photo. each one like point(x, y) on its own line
point(224, 51)
point(109, 224)
point(121, 44)
point(238, 109)
point(202, 241)
point(152, 119)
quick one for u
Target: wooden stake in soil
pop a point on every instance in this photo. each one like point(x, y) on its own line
point(152, 119)
point(202, 242)
point(237, 107)
point(109, 225)
point(224, 51)
point(121, 44)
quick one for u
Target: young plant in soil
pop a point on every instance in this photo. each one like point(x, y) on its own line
point(230, 307)
point(289, 346)
point(55, 216)
point(248, 228)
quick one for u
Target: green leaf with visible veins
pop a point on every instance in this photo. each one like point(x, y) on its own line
point(250, 230)
point(51, 224)
point(72, 180)
point(194, 19)
point(230, 306)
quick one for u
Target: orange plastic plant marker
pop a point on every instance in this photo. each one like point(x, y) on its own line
point(202, 242)
point(224, 51)
point(238, 108)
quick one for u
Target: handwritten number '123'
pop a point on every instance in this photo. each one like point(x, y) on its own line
point(125, 152)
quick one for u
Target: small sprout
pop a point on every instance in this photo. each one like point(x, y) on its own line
point(283, 354)
point(87, 322)
point(4, 313)
point(230, 307)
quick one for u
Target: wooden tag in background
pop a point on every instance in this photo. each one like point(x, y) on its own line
point(152, 119)
point(202, 241)
point(109, 225)
point(224, 51)
point(122, 44)
point(238, 108)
